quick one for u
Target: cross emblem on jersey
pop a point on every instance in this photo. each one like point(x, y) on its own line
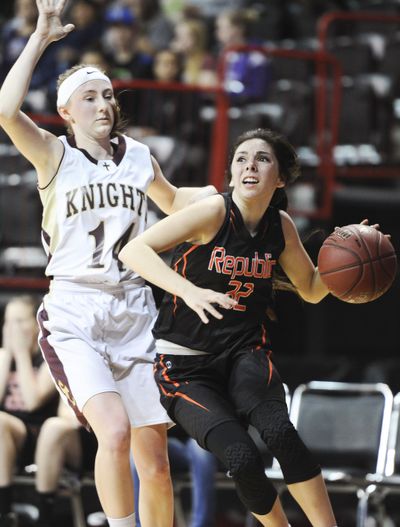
point(106, 165)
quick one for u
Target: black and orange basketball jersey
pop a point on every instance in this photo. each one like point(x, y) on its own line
point(236, 263)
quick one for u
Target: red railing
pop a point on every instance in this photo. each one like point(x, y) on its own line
point(218, 140)
point(219, 131)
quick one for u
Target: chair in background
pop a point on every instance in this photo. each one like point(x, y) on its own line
point(346, 425)
point(386, 483)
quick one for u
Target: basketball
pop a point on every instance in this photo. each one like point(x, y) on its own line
point(357, 263)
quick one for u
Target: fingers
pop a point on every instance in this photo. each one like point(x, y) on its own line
point(68, 28)
point(209, 309)
point(374, 225)
point(207, 305)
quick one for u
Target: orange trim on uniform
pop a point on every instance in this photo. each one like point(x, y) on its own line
point(263, 337)
point(164, 375)
point(232, 219)
point(186, 397)
point(183, 273)
point(270, 369)
point(176, 384)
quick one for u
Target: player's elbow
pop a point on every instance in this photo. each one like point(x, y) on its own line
point(313, 297)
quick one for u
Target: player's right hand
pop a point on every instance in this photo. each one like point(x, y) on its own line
point(49, 26)
point(202, 301)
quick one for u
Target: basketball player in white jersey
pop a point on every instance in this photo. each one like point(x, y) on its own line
point(96, 319)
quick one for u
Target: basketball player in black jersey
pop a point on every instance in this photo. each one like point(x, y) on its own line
point(214, 373)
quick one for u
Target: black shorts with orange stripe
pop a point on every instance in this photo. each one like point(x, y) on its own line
point(202, 391)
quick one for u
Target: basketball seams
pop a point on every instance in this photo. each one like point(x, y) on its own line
point(346, 249)
point(384, 257)
point(369, 261)
point(367, 267)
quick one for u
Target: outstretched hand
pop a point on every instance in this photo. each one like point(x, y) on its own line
point(49, 25)
point(202, 301)
point(374, 226)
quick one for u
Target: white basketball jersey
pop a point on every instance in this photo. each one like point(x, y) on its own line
point(91, 209)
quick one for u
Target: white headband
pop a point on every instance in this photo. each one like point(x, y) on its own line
point(79, 77)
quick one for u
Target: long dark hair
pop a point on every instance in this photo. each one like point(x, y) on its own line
point(289, 166)
point(289, 170)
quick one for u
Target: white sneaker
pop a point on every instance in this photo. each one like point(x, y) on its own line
point(97, 519)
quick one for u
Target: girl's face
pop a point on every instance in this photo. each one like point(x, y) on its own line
point(184, 40)
point(19, 319)
point(225, 32)
point(166, 67)
point(255, 170)
point(90, 109)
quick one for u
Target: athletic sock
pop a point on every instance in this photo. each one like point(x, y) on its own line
point(5, 499)
point(46, 507)
point(128, 521)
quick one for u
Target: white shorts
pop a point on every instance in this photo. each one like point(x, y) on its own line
point(99, 340)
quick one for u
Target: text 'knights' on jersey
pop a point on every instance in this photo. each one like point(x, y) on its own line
point(236, 263)
point(92, 208)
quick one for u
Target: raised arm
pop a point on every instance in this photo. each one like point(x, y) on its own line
point(40, 147)
point(170, 198)
point(197, 223)
point(298, 266)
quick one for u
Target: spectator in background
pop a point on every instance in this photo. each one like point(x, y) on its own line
point(71, 446)
point(191, 41)
point(167, 66)
point(95, 56)
point(13, 38)
point(27, 396)
point(156, 29)
point(212, 8)
point(247, 74)
point(88, 29)
point(127, 62)
point(167, 120)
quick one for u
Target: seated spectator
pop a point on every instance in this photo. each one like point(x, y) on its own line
point(13, 38)
point(127, 62)
point(88, 29)
point(27, 396)
point(247, 74)
point(192, 43)
point(96, 57)
point(168, 121)
point(159, 112)
point(167, 66)
point(87, 32)
point(156, 30)
point(71, 447)
point(212, 8)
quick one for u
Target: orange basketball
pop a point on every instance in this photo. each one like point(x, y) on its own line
point(357, 263)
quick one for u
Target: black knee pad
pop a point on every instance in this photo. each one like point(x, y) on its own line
point(246, 468)
point(236, 450)
point(284, 443)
